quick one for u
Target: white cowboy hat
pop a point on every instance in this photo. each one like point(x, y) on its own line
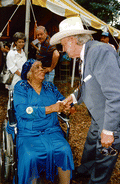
point(68, 27)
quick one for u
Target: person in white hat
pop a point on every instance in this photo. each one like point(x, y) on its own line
point(100, 91)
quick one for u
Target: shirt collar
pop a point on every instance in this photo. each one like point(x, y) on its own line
point(82, 52)
point(15, 49)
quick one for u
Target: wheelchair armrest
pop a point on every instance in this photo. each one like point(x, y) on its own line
point(64, 119)
point(12, 118)
point(11, 112)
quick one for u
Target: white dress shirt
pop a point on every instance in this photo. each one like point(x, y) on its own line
point(82, 66)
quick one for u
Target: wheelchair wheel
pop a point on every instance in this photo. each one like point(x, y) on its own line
point(6, 154)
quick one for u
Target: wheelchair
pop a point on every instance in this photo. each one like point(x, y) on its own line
point(8, 152)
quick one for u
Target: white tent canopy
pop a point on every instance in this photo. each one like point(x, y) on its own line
point(67, 8)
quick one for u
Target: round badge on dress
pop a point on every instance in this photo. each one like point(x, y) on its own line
point(29, 110)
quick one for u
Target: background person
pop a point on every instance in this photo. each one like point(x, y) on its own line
point(16, 57)
point(4, 49)
point(105, 39)
point(47, 54)
point(41, 145)
point(100, 91)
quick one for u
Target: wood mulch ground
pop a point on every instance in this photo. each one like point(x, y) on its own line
point(79, 125)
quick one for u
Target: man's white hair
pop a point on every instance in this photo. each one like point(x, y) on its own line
point(83, 38)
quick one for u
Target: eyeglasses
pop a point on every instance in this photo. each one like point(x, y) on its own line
point(109, 151)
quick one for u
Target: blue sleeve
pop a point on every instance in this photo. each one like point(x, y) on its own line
point(22, 96)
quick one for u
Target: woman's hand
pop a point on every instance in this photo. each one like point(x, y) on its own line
point(58, 107)
point(18, 73)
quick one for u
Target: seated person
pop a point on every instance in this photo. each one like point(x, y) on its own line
point(40, 141)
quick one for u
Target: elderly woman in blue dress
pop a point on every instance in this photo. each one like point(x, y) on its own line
point(41, 144)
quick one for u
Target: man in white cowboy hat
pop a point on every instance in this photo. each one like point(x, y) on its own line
point(100, 91)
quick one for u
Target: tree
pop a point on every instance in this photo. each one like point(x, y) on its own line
point(106, 10)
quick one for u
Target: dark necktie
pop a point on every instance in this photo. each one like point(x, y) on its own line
point(80, 82)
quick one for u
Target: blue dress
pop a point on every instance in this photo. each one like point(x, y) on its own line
point(40, 142)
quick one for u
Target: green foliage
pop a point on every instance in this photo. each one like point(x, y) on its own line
point(106, 10)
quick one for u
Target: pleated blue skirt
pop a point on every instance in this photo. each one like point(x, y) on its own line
point(43, 151)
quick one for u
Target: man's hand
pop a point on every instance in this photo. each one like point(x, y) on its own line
point(106, 140)
point(47, 69)
point(68, 100)
point(67, 103)
point(66, 109)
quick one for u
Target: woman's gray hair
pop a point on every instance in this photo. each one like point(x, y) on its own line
point(18, 35)
point(83, 38)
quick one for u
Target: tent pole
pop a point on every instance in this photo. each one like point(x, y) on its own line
point(27, 25)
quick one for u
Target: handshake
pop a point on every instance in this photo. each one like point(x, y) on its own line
point(65, 105)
